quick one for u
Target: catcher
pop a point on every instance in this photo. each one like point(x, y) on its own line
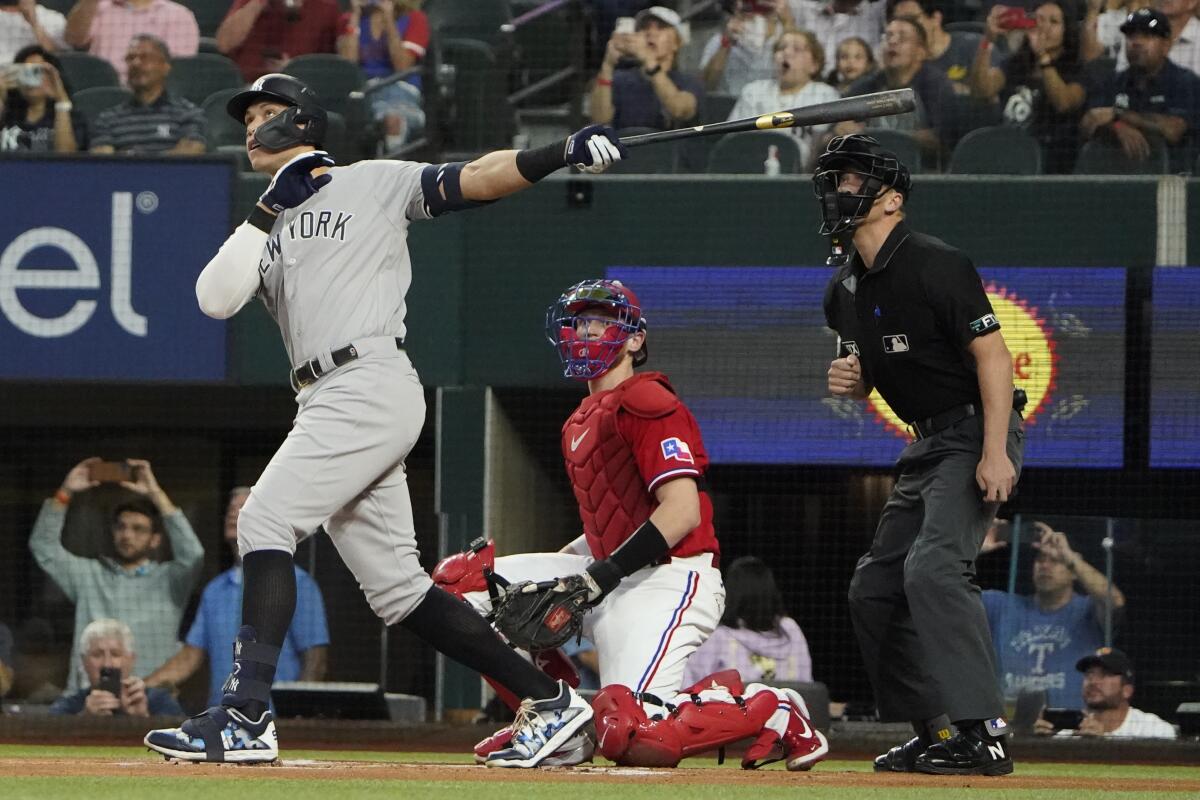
point(642, 582)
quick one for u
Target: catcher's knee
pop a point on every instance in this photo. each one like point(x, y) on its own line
point(463, 572)
point(627, 737)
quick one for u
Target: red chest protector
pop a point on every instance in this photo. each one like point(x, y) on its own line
point(613, 498)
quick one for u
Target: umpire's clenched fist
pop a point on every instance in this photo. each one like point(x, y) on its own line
point(845, 377)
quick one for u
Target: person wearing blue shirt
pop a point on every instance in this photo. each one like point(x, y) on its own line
point(1039, 638)
point(304, 652)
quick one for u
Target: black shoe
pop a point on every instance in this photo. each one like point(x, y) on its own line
point(969, 752)
point(901, 758)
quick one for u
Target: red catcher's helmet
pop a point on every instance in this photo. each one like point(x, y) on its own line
point(610, 301)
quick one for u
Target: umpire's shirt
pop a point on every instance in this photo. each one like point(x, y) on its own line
point(909, 319)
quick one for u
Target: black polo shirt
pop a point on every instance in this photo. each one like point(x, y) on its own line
point(909, 320)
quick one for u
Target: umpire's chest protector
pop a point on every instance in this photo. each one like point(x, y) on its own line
point(612, 495)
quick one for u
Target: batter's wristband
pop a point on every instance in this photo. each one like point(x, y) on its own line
point(262, 219)
point(538, 163)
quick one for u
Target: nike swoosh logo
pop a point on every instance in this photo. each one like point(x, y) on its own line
point(575, 441)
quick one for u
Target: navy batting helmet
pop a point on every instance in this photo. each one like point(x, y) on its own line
point(863, 155)
point(304, 121)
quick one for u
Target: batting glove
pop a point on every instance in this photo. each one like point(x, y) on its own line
point(294, 182)
point(594, 149)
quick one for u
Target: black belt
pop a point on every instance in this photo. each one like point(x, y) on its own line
point(924, 428)
point(309, 372)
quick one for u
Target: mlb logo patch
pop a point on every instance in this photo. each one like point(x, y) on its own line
point(985, 323)
point(677, 449)
point(895, 343)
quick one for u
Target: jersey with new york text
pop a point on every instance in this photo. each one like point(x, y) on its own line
point(336, 268)
point(619, 446)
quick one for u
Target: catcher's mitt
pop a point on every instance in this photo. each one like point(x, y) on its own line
point(539, 616)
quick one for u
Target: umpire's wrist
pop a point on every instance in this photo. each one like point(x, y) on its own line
point(539, 162)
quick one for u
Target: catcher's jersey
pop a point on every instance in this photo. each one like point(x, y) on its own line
point(622, 444)
point(336, 268)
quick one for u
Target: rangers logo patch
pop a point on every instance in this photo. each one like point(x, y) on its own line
point(987, 322)
point(677, 449)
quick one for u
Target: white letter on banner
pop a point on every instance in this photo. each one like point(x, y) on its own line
point(122, 265)
point(85, 275)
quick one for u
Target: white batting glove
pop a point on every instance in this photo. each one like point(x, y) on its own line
point(594, 149)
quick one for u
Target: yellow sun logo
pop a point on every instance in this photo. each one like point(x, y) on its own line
point(1035, 362)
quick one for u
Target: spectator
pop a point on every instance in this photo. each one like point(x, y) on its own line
point(153, 120)
point(1039, 637)
point(1107, 690)
point(263, 35)
point(391, 38)
point(105, 27)
point(798, 63)
point(1155, 97)
point(108, 643)
point(951, 53)
point(905, 52)
point(35, 107)
point(756, 636)
point(1185, 35)
point(854, 61)
point(743, 51)
point(305, 650)
point(1101, 32)
point(147, 595)
point(1041, 86)
point(24, 23)
point(6, 659)
point(652, 94)
point(836, 20)
point(586, 659)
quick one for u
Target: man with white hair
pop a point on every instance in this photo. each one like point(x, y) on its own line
point(107, 656)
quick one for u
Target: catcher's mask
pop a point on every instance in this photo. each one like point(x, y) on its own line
point(585, 356)
point(303, 122)
point(863, 155)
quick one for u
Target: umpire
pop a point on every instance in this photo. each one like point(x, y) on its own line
point(914, 322)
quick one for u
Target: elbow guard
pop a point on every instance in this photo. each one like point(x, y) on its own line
point(442, 187)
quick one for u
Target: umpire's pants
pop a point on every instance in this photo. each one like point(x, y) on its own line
point(918, 614)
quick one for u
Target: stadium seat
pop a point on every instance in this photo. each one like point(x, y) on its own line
point(966, 26)
point(209, 14)
point(1101, 157)
point(332, 77)
point(61, 6)
point(250, 186)
point(654, 159)
point(998, 150)
point(196, 77)
point(744, 153)
point(471, 19)
point(238, 154)
point(548, 46)
point(209, 45)
point(222, 129)
point(480, 117)
point(90, 102)
point(904, 145)
point(717, 107)
point(84, 71)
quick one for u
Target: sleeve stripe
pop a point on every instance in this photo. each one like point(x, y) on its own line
point(672, 473)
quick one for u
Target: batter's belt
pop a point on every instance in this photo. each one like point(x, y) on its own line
point(310, 371)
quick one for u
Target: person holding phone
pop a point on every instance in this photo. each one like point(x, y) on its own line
point(262, 35)
point(36, 114)
point(107, 655)
point(742, 51)
point(1108, 688)
point(146, 594)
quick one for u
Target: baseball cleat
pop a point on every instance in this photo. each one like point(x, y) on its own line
point(802, 745)
point(218, 734)
point(981, 749)
point(575, 751)
point(901, 758)
point(542, 728)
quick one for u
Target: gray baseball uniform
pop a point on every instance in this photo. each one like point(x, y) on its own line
point(334, 272)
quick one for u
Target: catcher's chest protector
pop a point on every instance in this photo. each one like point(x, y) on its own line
point(613, 498)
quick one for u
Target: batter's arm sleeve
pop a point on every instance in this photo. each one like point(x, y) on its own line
point(231, 278)
point(188, 555)
point(64, 568)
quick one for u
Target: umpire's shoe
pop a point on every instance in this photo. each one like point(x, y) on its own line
point(219, 734)
point(979, 749)
point(542, 727)
point(902, 757)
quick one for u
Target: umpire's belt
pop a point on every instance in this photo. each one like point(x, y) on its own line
point(924, 428)
point(308, 372)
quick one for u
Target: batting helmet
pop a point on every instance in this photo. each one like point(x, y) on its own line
point(304, 121)
point(588, 358)
point(843, 211)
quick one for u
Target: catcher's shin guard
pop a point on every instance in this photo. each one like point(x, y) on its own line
point(800, 744)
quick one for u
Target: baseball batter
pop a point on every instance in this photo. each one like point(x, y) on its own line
point(648, 557)
point(326, 251)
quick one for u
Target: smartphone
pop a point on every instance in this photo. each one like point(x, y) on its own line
point(1016, 18)
point(110, 471)
point(625, 25)
point(29, 75)
point(1063, 719)
point(110, 681)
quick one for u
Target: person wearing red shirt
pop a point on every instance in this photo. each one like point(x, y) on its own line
point(648, 554)
point(262, 35)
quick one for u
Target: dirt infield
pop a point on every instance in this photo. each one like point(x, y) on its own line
point(345, 770)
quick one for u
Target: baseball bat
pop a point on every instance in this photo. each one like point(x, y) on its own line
point(880, 104)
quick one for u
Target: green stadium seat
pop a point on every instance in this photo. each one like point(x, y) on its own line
point(480, 117)
point(61, 6)
point(90, 102)
point(903, 144)
point(744, 153)
point(84, 71)
point(717, 107)
point(250, 186)
point(470, 19)
point(332, 77)
point(998, 150)
point(222, 129)
point(1101, 157)
point(197, 77)
point(209, 14)
point(653, 159)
